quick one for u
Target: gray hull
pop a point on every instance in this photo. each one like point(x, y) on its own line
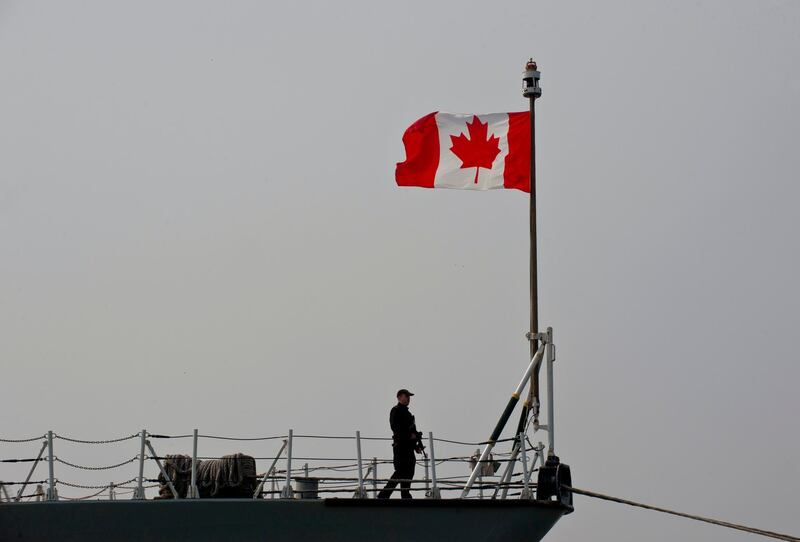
point(280, 520)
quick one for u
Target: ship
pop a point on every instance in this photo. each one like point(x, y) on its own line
point(512, 488)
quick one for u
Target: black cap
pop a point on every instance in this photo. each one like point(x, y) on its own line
point(404, 391)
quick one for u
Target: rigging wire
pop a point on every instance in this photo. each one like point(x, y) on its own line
point(738, 527)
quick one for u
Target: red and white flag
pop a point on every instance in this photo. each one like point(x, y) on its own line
point(473, 152)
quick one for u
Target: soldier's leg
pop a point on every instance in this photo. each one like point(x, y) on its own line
point(409, 465)
point(397, 460)
point(386, 492)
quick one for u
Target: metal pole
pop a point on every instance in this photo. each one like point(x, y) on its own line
point(360, 493)
point(375, 477)
point(551, 429)
point(532, 91)
point(139, 492)
point(435, 494)
point(111, 495)
point(30, 473)
point(526, 490)
point(163, 471)
point(425, 461)
point(512, 402)
point(507, 473)
point(52, 494)
point(270, 472)
point(286, 492)
point(6, 496)
point(193, 492)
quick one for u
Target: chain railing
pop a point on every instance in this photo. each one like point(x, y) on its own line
point(290, 474)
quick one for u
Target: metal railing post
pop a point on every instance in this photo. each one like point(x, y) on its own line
point(286, 492)
point(526, 490)
point(435, 494)
point(374, 477)
point(111, 495)
point(425, 462)
point(360, 492)
point(193, 493)
point(52, 493)
point(551, 428)
point(138, 493)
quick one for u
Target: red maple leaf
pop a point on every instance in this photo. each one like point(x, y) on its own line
point(479, 151)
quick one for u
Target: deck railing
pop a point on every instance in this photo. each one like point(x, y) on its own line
point(445, 467)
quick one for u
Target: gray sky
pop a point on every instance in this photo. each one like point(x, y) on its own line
point(199, 227)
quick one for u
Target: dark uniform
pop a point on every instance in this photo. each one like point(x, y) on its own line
point(405, 440)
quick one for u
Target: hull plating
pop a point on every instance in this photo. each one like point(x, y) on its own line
point(278, 520)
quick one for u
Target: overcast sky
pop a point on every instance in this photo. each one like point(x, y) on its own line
point(199, 227)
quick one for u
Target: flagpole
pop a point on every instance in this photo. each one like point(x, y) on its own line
point(532, 91)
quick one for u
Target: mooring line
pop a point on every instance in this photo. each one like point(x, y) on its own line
point(738, 527)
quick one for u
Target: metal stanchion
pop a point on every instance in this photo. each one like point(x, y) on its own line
point(375, 477)
point(287, 492)
point(435, 494)
point(192, 492)
point(551, 429)
point(52, 493)
point(360, 492)
point(138, 493)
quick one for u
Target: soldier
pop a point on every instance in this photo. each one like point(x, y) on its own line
point(405, 441)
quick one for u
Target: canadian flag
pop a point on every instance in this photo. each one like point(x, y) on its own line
point(473, 152)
